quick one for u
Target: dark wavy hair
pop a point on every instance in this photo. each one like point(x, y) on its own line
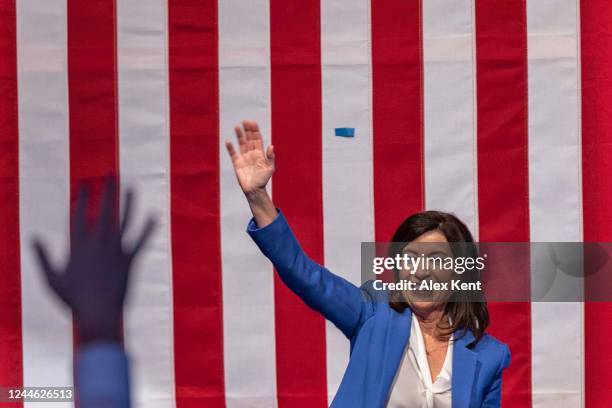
point(464, 313)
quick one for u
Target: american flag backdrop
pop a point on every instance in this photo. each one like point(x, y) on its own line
point(497, 110)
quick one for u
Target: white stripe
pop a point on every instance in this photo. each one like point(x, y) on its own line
point(44, 186)
point(347, 162)
point(248, 291)
point(555, 193)
point(580, 206)
point(144, 165)
point(449, 108)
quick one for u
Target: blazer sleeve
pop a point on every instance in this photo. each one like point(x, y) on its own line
point(492, 399)
point(338, 300)
point(102, 378)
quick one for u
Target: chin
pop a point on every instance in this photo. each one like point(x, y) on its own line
point(426, 305)
point(423, 304)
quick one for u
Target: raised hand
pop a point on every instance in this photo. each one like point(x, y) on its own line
point(94, 280)
point(253, 166)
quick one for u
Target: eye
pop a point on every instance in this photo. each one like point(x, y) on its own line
point(436, 255)
point(409, 262)
point(409, 255)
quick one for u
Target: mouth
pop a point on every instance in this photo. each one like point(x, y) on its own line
point(421, 295)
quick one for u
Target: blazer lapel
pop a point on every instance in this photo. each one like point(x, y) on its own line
point(465, 361)
point(397, 341)
point(464, 371)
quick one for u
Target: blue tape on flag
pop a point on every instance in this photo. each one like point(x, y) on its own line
point(345, 132)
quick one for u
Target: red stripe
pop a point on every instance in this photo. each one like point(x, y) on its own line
point(92, 94)
point(92, 82)
point(596, 50)
point(397, 81)
point(194, 163)
point(92, 97)
point(11, 372)
point(296, 134)
point(503, 188)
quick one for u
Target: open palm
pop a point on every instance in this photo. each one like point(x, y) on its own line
point(253, 166)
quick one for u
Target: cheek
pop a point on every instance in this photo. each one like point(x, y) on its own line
point(404, 274)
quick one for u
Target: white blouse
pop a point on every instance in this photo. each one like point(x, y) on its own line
point(412, 386)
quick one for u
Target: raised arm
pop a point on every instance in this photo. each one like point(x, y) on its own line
point(335, 298)
point(92, 282)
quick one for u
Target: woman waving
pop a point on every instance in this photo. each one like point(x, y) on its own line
point(407, 349)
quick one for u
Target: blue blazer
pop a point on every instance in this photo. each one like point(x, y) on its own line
point(378, 334)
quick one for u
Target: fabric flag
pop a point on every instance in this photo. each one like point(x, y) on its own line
point(499, 111)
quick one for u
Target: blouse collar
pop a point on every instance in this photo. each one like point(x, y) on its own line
point(442, 382)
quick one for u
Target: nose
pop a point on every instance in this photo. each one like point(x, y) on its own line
point(422, 273)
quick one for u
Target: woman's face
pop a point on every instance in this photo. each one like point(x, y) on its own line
point(430, 246)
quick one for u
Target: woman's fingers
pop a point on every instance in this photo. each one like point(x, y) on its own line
point(248, 129)
point(257, 139)
point(230, 149)
point(242, 140)
point(249, 136)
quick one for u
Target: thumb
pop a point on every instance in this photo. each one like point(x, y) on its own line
point(50, 272)
point(270, 154)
